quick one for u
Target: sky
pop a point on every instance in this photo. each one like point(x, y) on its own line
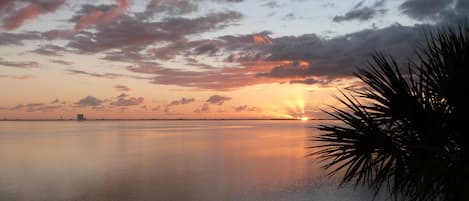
point(138, 59)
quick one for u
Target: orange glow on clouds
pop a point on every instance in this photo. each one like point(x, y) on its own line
point(261, 39)
point(303, 64)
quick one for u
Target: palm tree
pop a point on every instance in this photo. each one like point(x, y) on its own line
point(407, 133)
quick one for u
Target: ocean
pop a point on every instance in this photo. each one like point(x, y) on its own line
point(206, 160)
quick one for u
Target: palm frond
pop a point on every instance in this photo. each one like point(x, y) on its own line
point(407, 131)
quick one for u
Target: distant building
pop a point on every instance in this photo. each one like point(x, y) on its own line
point(80, 117)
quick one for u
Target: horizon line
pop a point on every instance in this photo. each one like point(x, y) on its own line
point(170, 119)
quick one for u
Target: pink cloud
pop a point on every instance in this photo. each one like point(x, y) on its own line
point(31, 11)
point(98, 16)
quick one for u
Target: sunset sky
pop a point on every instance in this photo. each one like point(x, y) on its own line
point(198, 58)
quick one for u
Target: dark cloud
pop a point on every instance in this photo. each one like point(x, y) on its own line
point(290, 70)
point(437, 11)
point(131, 34)
point(245, 108)
point(6, 5)
point(287, 59)
point(217, 99)
point(121, 87)
point(127, 100)
point(209, 49)
point(50, 50)
point(24, 64)
point(89, 101)
point(17, 38)
point(425, 9)
point(322, 82)
point(340, 56)
point(362, 13)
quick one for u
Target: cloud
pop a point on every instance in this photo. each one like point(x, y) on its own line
point(24, 64)
point(261, 38)
point(215, 79)
point(89, 101)
point(123, 95)
point(437, 11)
point(425, 9)
point(169, 7)
point(31, 10)
point(17, 38)
point(50, 50)
point(290, 69)
point(101, 75)
point(122, 87)
point(126, 100)
point(245, 108)
point(35, 107)
point(6, 5)
point(305, 59)
point(90, 15)
point(203, 108)
point(17, 77)
point(131, 34)
point(61, 62)
point(271, 4)
point(217, 100)
point(55, 101)
point(181, 101)
point(339, 56)
point(362, 13)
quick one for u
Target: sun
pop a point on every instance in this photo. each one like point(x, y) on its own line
point(304, 118)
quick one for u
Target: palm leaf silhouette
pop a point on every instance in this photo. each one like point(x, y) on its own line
point(407, 131)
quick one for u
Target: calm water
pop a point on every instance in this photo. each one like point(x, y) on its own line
point(163, 160)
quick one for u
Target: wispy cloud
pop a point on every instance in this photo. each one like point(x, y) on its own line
point(245, 108)
point(89, 101)
point(217, 99)
point(127, 100)
point(121, 87)
point(23, 64)
point(31, 10)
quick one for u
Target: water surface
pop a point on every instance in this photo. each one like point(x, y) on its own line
point(163, 160)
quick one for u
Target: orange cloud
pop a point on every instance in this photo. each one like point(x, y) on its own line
point(303, 64)
point(98, 16)
point(31, 11)
point(261, 39)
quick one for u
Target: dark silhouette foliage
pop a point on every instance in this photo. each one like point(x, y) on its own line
point(407, 133)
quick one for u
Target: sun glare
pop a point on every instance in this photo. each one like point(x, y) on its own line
point(304, 118)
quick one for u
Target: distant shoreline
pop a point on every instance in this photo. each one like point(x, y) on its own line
point(221, 119)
